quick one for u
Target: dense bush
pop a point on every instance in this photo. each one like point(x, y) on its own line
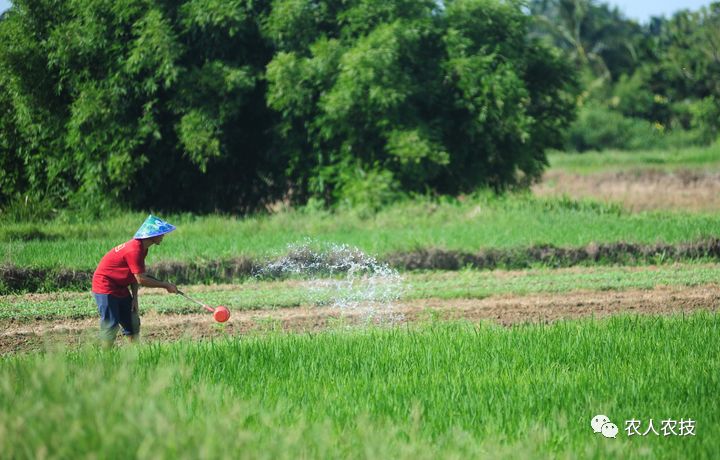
point(229, 105)
point(599, 128)
point(706, 118)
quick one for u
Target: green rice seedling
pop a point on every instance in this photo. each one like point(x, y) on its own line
point(443, 390)
point(472, 224)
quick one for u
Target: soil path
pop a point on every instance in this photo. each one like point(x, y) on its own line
point(505, 310)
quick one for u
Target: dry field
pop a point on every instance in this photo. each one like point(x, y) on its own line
point(639, 189)
point(503, 309)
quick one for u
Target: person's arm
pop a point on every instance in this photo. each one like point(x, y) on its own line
point(149, 281)
point(136, 263)
point(134, 289)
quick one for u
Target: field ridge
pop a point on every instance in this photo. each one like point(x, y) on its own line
point(15, 279)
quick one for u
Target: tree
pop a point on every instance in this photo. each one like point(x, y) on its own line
point(132, 100)
point(232, 104)
point(596, 37)
point(442, 99)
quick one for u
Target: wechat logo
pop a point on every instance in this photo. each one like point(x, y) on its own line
point(602, 424)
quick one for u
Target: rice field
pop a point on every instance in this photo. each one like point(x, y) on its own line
point(390, 363)
point(470, 224)
point(437, 390)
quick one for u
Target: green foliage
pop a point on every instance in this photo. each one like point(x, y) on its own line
point(659, 72)
point(690, 59)
point(599, 128)
point(136, 100)
point(198, 134)
point(108, 104)
point(442, 99)
point(27, 208)
point(594, 36)
point(706, 118)
point(130, 101)
point(632, 97)
point(363, 190)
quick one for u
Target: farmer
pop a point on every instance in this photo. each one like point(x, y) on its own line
point(123, 267)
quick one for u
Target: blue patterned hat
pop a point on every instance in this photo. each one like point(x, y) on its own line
point(153, 226)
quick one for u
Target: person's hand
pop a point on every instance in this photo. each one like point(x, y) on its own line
point(171, 288)
point(134, 305)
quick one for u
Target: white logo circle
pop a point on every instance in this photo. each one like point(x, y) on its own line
point(598, 421)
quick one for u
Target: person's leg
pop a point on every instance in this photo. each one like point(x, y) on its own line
point(135, 322)
point(129, 320)
point(108, 319)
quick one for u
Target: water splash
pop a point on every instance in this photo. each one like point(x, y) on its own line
point(341, 276)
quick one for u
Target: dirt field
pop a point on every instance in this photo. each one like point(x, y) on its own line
point(505, 310)
point(639, 190)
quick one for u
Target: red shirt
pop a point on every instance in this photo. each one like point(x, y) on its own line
point(117, 269)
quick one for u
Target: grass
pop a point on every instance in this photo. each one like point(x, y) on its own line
point(470, 224)
point(433, 391)
point(616, 160)
point(254, 294)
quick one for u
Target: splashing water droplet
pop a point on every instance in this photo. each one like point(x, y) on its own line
point(341, 276)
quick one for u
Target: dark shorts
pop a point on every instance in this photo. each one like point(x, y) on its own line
point(116, 312)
